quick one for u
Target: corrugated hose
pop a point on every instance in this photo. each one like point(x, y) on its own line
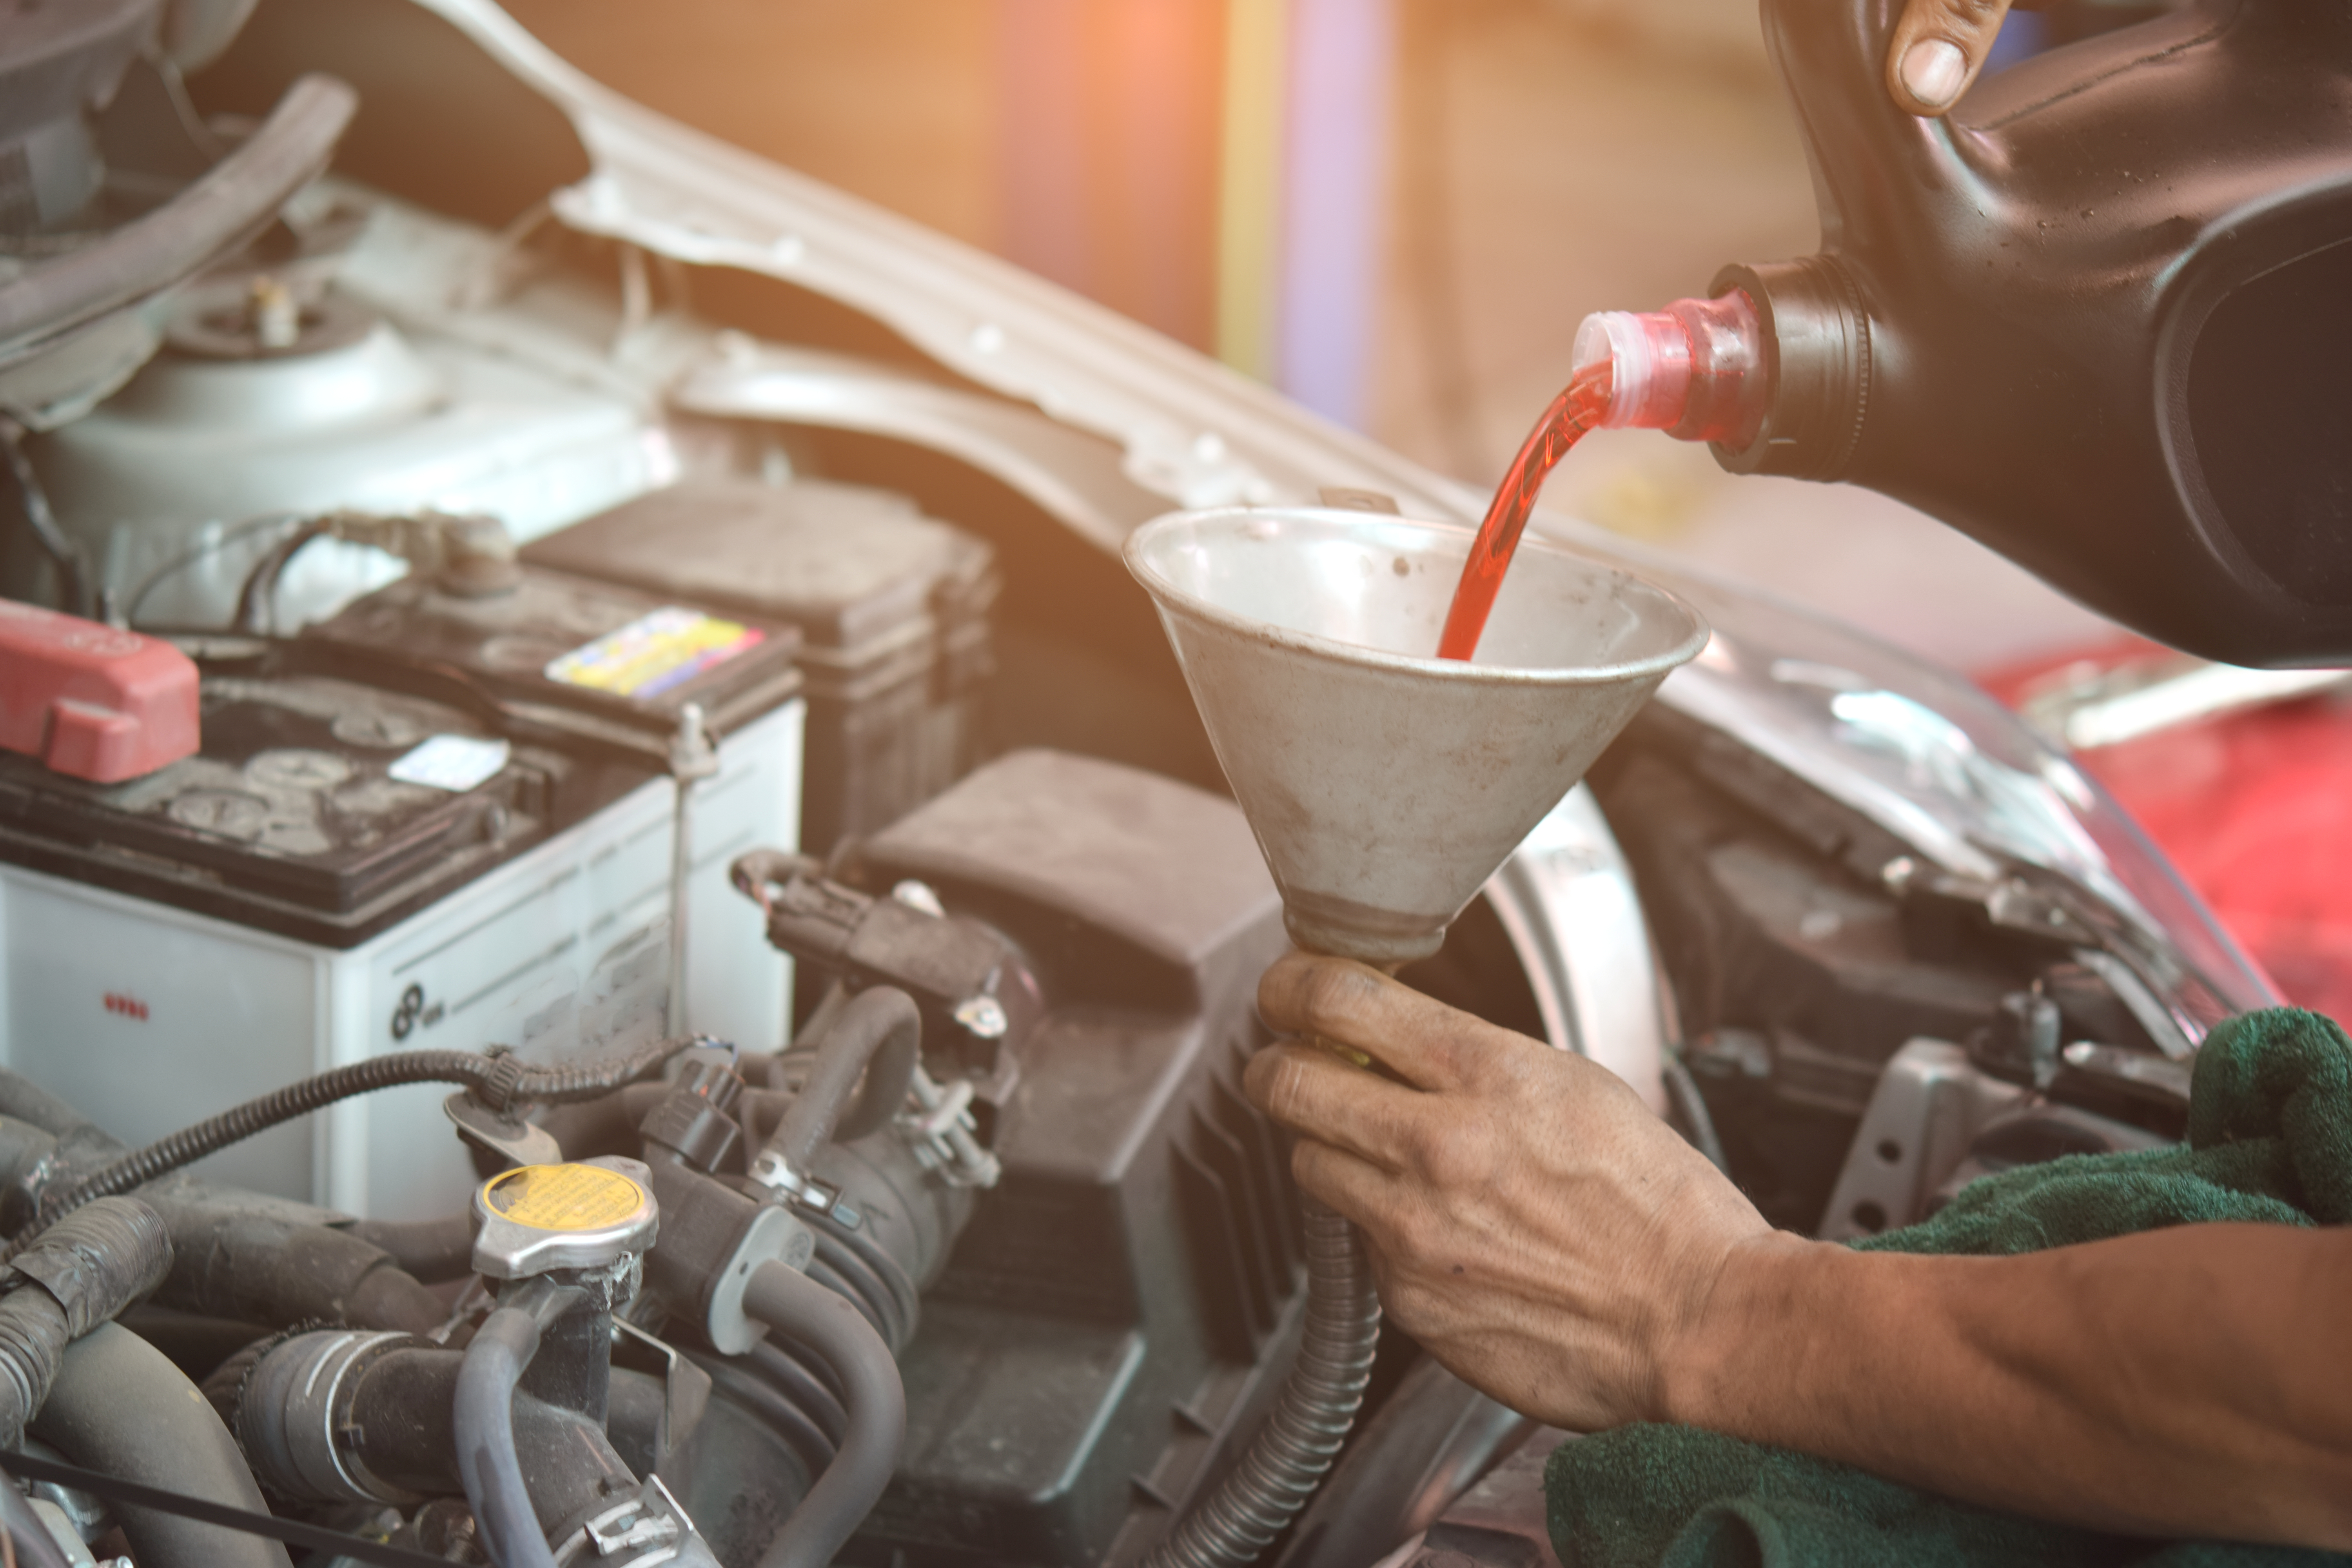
point(505, 1078)
point(1295, 1448)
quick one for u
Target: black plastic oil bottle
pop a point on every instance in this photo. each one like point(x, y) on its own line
point(2099, 316)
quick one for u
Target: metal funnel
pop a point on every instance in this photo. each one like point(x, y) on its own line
point(1385, 785)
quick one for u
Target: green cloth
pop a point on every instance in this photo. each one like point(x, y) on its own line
point(2269, 1140)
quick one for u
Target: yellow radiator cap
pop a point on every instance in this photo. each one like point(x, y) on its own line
point(580, 1214)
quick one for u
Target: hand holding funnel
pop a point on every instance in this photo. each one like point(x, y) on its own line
point(1386, 786)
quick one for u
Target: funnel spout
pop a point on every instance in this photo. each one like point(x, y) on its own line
point(1386, 786)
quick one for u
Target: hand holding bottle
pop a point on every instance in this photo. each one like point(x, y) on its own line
point(1938, 47)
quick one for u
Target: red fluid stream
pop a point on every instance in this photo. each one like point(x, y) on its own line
point(1576, 410)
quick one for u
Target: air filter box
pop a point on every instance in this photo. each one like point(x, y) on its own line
point(892, 609)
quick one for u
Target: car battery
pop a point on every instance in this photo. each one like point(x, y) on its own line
point(343, 870)
point(893, 609)
point(590, 662)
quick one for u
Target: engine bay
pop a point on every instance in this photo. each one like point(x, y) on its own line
point(718, 955)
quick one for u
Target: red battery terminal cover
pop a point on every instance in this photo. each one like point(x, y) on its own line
point(89, 702)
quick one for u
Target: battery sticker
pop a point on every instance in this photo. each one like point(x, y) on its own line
point(655, 652)
point(453, 762)
point(564, 1197)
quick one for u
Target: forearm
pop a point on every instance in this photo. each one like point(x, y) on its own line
point(2196, 1381)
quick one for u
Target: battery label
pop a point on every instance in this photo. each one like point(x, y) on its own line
point(564, 1197)
point(655, 653)
point(452, 762)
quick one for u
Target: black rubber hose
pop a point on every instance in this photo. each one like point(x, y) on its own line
point(483, 1415)
point(231, 1261)
point(120, 1406)
point(432, 1251)
point(1287, 1459)
point(79, 1275)
point(80, 1142)
point(828, 1327)
point(875, 1040)
point(550, 1084)
point(841, 1273)
point(35, 1547)
point(233, 200)
point(859, 1258)
point(807, 1387)
point(769, 1405)
point(260, 586)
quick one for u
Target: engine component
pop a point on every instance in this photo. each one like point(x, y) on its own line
point(537, 1219)
point(1943, 1115)
point(434, 877)
point(512, 1080)
point(119, 1407)
point(1433, 1437)
point(315, 807)
point(77, 1277)
point(702, 1273)
point(1233, 1525)
point(691, 1124)
point(565, 1244)
point(71, 331)
point(470, 557)
point(233, 1262)
point(232, 433)
point(1140, 1353)
point(299, 1405)
point(873, 1401)
point(548, 1340)
point(91, 702)
point(892, 609)
point(974, 991)
point(565, 657)
point(1930, 1101)
point(1807, 944)
point(344, 1416)
point(234, 1256)
point(27, 1521)
point(875, 1040)
point(889, 1226)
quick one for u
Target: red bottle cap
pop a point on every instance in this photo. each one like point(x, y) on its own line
point(90, 701)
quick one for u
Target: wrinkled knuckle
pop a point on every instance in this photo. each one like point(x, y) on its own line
point(1332, 993)
point(1446, 1162)
point(1421, 1147)
point(1286, 1089)
point(1457, 1156)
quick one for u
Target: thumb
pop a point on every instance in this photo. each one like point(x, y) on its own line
point(1937, 49)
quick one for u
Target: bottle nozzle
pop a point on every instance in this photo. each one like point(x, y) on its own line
point(1694, 370)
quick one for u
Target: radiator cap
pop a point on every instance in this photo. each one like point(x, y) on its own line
point(583, 1214)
